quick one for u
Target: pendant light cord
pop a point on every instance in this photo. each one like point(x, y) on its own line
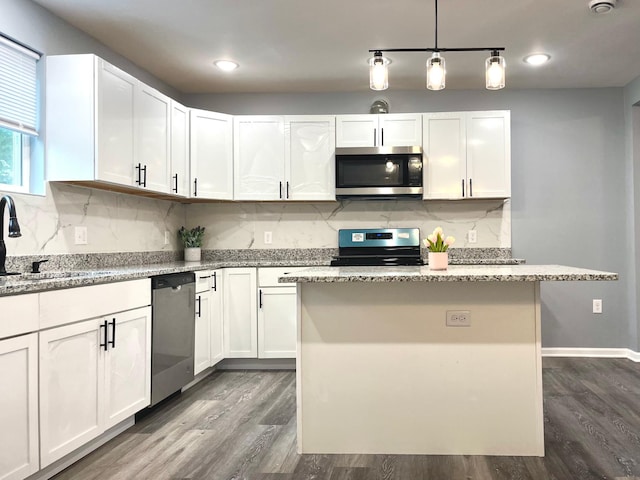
point(436, 25)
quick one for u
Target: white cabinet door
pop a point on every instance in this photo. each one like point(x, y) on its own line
point(152, 113)
point(211, 155)
point(310, 157)
point(19, 407)
point(445, 167)
point(277, 316)
point(179, 149)
point(115, 124)
point(128, 365)
point(400, 129)
point(356, 130)
point(259, 151)
point(240, 313)
point(71, 388)
point(202, 343)
point(217, 324)
point(489, 154)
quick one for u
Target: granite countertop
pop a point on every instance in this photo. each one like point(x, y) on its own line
point(455, 273)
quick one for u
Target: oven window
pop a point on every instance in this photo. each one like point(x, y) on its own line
point(367, 171)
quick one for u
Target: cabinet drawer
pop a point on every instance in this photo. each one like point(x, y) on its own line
point(72, 304)
point(203, 280)
point(268, 276)
point(19, 314)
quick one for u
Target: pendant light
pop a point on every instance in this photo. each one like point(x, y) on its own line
point(495, 66)
point(436, 71)
point(378, 72)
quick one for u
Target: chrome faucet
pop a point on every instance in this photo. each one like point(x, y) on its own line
point(14, 229)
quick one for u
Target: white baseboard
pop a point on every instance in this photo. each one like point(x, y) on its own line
point(592, 352)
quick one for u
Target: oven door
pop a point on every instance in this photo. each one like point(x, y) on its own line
point(378, 175)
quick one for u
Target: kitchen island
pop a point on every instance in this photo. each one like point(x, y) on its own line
point(386, 362)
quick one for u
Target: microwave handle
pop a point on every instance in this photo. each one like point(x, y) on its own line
point(463, 188)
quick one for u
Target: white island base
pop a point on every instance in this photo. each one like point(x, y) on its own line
point(380, 372)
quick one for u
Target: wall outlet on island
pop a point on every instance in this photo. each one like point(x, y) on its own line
point(80, 235)
point(268, 238)
point(472, 236)
point(597, 305)
point(458, 318)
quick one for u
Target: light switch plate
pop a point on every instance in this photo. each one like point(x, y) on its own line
point(268, 238)
point(81, 235)
point(472, 236)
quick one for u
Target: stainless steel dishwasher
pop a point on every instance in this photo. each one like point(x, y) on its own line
point(173, 323)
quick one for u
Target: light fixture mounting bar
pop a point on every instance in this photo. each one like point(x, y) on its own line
point(471, 49)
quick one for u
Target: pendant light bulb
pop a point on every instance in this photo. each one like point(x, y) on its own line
point(495, 69)
point(378, 72)
point(436, 72)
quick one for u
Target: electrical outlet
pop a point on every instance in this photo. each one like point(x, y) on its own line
point(81, 236)
point(268, 238)
point(472, 236)
point(167, 237)
point(597, 305)
point(458, 318)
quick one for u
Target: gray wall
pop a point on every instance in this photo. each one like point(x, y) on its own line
point(571, 190)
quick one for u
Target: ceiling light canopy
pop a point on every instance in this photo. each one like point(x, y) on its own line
point(436, 72)
point(226, 65)
point(537, 58)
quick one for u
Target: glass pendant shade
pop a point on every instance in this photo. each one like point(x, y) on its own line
point(436, 72)
point(495, 67)
point(378, 72)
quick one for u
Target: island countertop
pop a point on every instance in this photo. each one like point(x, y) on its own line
point(455, 273)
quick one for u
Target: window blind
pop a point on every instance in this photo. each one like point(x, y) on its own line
point(18, 89)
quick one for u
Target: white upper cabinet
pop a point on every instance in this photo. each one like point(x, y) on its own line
point(467, 155)
point(489, 154)
point(379, 130)
point(259, 158)
point(115, 123)
point(310, 158)
point(211, 155)
point(179, 150)
point(153, 134)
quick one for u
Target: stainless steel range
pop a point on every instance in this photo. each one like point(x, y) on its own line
point(378, 246)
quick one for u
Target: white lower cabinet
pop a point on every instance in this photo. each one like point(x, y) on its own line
point(93, 374)
point(202, 344)
point(240, 313)
point(19, 407)
point(209, 329)
point(277, 317)
point(217, 325)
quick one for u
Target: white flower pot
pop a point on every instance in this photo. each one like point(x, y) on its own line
point(438, 260)
point(192, 254)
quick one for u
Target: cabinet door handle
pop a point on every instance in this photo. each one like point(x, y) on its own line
point(113, 334)
point(199, 311)
point(280, 189)
point(104, 345)
point(287, 189)
point(260, 298)
point(139, 169)
point(195, 187)
point(144, 182)
point(175, 178)
point(215, 282)
point(205, 276)
point(463, 187)
point(374, 137)
point(382, 137)
point(471, 187)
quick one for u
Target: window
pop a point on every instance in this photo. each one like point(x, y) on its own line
point(18, 114)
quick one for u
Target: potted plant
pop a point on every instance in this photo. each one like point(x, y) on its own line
point(192, 242)
point(438, 245)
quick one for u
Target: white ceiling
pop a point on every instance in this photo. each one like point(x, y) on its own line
point(322, 46)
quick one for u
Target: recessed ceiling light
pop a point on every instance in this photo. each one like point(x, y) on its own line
point(602, 6)
point(536, 58)
point(226, 65)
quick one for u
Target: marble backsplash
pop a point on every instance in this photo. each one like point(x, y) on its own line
point(115, 222)
point(315, 225)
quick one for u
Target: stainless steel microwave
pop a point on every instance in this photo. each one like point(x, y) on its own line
point(379, 172)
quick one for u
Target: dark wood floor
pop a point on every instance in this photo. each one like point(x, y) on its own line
point(241, 425)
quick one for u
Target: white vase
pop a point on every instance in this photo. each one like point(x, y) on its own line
point(438, 260)
point(192, 254)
